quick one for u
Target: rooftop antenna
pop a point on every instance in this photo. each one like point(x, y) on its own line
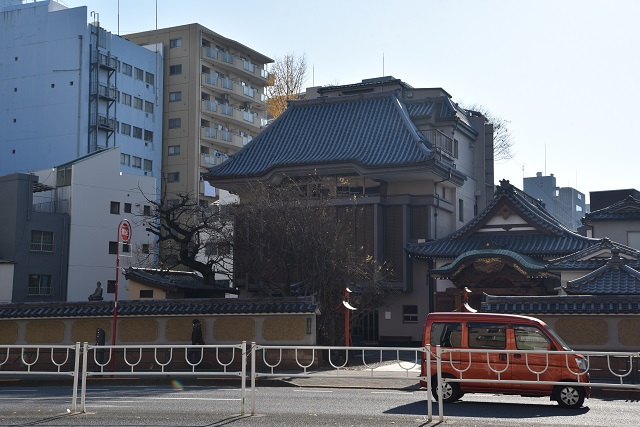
point(382, 64)
point(545, 159)
point(118, 17)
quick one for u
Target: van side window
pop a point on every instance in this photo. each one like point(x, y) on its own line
point(485, 335)
point(446, 334)
point(530, 338)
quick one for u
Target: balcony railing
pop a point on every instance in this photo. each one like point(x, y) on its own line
point(107, 61)
point(226, 109)
point(240, 64)
point(51, 206)
point(39, 291)
point(106, 122)
point(248, 116)
point(41, 247)
point(210, 79)
point(210, 105)
point(440, 140)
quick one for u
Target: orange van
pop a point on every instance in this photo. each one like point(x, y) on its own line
point(471, 333)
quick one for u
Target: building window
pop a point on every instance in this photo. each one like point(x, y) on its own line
point(145, 248)
point(148, 165)
point(39, 285)
point(126, 99)
point(127, 70)
point(175, 96)
point(125, 129)
point(146, 293)
point(175, 43)
point(137, 132)
point(41, 241)
point(139, 74)
point(111, 286)
point(148, 135)
point(125, 159)
point(175, 123)
point(409, 314)
point(175, 70)
point(146, 210)
point(136, 162)
point(148, 107)
point(171, 203)
point(149, 79)
point(137, 103)
point(113, 248)
point(115, 208)
point(174, 150)
point(460, 210)
point(173, 177)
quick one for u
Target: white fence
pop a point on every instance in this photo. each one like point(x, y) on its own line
point(355, 363)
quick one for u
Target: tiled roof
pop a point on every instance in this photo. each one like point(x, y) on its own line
point(596, 256)
point(372, 131)
point(613, 278)
point(172, 280)
point(624, 210)
point(165, 307)
point(553, 239)
point(562, 304)
point(525, 262)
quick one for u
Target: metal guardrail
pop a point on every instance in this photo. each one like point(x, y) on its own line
point(291, 362)
point(164, 360)
point(43, 361)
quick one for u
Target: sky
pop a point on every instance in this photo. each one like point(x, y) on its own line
point(564, 74)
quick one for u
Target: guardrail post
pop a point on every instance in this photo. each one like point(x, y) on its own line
point(427, 350)
point(244, 376)
point(76, 372)
point(83, 391)
point(439, 385)
point(253, 378)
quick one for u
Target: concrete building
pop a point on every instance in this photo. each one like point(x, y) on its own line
point(98, 196)
point(34, 241)
point(214, 103)
point(566, 204)
point(69, 89)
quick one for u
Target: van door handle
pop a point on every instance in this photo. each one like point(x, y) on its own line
point(503, 357)
point(517, 356)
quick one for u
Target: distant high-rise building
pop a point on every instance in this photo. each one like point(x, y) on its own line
point(214, 103)
point(69, 89)
point(566, 204)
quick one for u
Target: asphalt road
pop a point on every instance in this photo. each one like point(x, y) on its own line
point(292, 406)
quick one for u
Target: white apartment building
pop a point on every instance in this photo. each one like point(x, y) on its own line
point(69, 89)
point(93, 226)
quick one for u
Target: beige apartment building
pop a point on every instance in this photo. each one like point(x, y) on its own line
point(214, 103)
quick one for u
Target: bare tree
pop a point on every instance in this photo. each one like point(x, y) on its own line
point(291, 241)
point(502, 138)
point(191, 235)
point(287, 77)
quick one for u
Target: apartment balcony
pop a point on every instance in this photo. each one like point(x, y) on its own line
point(210, 107)
point(209, 160)
point(227, 86)
point(236, 64)
point(222, 138)
point(48, 205)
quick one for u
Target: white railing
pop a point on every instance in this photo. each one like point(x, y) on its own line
point(163, 360)
point(42, 360)
point(232, 360)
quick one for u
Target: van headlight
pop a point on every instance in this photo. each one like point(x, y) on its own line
point(581, 362)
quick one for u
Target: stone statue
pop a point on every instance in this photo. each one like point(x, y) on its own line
point(97, 294)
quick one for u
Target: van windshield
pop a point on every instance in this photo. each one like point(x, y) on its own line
point(557, 338)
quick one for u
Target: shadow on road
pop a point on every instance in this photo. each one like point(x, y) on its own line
point(489, 410)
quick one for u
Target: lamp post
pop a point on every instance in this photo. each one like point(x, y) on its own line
point(347, 308)
point(124, 237)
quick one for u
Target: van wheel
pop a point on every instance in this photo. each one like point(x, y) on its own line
point(569, 396)
point(450, 391)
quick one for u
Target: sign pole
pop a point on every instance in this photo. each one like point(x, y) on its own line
point(124, 236)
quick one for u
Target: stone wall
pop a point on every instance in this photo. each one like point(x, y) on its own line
point(262, 329)
point(597, 332)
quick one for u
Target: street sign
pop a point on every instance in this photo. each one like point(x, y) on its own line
point(124, 231)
